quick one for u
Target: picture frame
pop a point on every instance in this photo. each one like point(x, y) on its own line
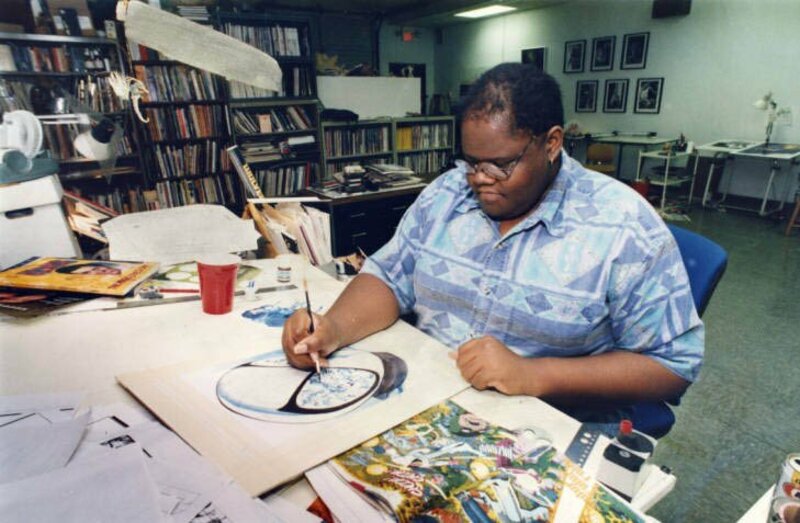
point(648, 95)
point(574, 54)
point(536, 56)
point(603, 53)
point(615, 98)
point(586, 96)
point(634, 51)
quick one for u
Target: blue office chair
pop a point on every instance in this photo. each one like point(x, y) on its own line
point(705, 263)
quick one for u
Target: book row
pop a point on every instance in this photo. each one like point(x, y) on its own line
point(424, 136)
point(142, 53)
point(296, 82)
point(206, 158)
point(223, 189)
point(278, 119)
point(177, 83)
point(365, 140)
point(276, 40)
point(193, 121)
point(430, 162)
point(93, 92)
point(287, 180)
point(61, 59)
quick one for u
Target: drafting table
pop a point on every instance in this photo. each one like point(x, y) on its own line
point(719, 150)
point(85, 350)
point(776, 154)
point(636, 140)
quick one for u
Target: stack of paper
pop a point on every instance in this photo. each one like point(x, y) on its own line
point(123, 467)
point(294, 228)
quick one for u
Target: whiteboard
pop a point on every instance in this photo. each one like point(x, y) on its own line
point(370, 96)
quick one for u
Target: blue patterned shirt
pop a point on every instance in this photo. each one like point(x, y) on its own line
point(591, 270)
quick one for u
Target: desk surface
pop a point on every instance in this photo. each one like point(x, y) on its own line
point(774, 151)
point(631, 139)
point(84, 351)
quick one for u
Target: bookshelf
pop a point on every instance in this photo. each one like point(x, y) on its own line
point(36, 70)
point(185, 139)
point(349, 143)
point(422, 143)
point(278, 133)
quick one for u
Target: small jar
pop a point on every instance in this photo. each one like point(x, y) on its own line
point(284, 270)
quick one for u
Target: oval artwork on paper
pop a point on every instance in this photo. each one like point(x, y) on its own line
point(270, 389)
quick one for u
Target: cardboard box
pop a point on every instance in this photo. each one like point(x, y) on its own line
point(32, 222)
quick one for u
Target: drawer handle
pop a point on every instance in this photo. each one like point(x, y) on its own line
point(358, 234)
point(358, 215)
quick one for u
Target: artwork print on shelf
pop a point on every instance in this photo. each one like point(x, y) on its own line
point(616, 96)
point(603, 53)
point(648, 95)
point(574, 53)
point(268, 388)
point(634, 51)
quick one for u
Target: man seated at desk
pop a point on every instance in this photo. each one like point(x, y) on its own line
point(546, 279)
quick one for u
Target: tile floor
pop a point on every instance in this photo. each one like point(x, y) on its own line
point(738, 422)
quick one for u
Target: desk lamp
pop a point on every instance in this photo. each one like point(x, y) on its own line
point(767, 103)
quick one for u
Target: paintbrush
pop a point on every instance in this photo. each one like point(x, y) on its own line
point(314, 356)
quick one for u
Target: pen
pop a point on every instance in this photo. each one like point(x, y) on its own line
point(182, 291)
point(314, 356)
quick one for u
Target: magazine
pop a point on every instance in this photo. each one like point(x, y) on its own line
point(447, 464)
point(29, 303)
point(110, 278)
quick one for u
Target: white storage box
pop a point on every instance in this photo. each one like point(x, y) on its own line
point(32, 222)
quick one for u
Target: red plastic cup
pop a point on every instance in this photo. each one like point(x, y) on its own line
point(217, 282)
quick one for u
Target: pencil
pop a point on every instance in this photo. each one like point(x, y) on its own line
point(314, 356)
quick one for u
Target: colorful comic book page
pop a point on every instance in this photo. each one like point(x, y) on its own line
point(447, 464)
point(111, 278)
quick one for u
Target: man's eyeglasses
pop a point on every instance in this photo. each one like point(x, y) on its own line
point(498, 172)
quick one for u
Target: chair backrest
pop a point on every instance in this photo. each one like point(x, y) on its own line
point(600, 153)
point(705, 263)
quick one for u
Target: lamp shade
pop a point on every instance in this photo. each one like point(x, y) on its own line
point(763, 103)
point(96, 143)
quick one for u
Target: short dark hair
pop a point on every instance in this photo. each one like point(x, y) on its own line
point(530, 97)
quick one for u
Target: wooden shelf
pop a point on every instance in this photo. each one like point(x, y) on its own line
point(56, 39)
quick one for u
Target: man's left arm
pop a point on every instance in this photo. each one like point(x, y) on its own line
point(658, 338)
point(614, 376)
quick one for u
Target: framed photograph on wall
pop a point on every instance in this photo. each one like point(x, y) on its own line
point(536, 56)
point(616, 96)
point(603, 53)
point(574, 53)
point(648, 95)
point(586, 96)
point(634, 51)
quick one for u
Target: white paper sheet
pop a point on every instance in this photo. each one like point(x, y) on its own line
point(27, 449)
point(178, 234)
point(117, 488)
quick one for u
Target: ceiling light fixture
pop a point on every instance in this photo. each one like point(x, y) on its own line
point(489, 10)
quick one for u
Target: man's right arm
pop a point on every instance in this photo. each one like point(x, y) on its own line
point(367, 305)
